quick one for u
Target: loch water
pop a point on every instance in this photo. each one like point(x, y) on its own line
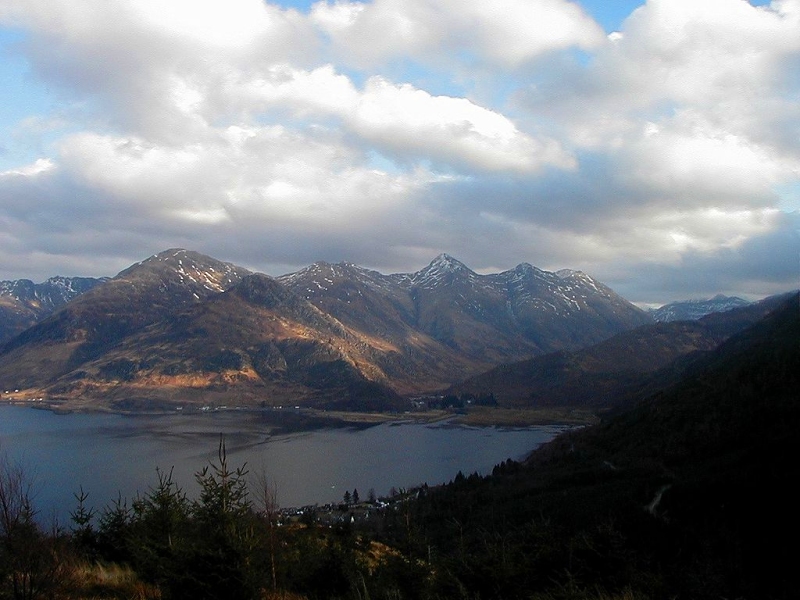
point(108, 455)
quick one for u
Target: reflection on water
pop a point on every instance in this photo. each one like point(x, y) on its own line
point(111, 454)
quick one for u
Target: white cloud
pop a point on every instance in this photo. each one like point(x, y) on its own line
point(258, 174)
point(41, 165)
point(154, 67)
point(692, 113)
point(689, 161)
point(318, 92)
point(384, 132)
point(400, 120)
point(449, 130)
point(507, 34)
point(725, 59)
point(177, 74)
point(232, 24)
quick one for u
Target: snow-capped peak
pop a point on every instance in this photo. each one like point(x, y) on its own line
point(188, 268)
point(566, 273)
point(696, 309)
point(442, 268)
point(445, 261)
point(320, 278)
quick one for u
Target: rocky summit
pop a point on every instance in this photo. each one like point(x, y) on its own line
point(181, 328)
point(24, 303)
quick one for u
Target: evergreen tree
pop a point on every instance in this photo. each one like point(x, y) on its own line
point(224, 497)
point(224, 534)
point(83, 534)
point(159, 532)
point(114, 530)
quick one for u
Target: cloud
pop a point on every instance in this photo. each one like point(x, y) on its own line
point(766, 263)
point(725, 59)
point(42, 165)
point(386, 132)
point(150, 66)
point(449, 130)
point(258, 172)
point(400, 120)
point(505, 35)
point(266, 189)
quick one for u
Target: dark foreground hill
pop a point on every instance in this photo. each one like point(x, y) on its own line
point(688, 495)
point(615, 371)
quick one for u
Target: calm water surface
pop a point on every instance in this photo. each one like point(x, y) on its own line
point(114, 454)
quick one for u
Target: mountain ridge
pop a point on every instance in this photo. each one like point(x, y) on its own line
point(691, 310)
point(23, 303)
point(605, 374)
point(156, 330)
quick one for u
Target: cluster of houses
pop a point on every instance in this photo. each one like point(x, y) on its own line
point(351, 510)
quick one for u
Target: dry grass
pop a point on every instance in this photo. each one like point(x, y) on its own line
point(575, 593)
point(377, 553)
point(280, 595)
point(100, 581)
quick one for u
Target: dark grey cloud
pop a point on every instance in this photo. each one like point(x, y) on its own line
point(763, 265)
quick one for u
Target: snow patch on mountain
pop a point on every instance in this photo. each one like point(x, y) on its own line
point(691, 310)
point(525, 287)
point(192, 269)
point(443, 270)
point(50, 294)
point(321, 277)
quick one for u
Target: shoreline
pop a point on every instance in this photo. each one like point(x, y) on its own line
point(299, 419)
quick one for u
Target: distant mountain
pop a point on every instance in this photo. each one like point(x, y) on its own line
point(611, 372)
point(450, 315)
point(256, 342)
point(690, 310)
point(24, 303)
point(183, 327)
point(540, 310)
point(96, 321)
point(686, 495)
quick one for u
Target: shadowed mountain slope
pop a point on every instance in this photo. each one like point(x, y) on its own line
point(609, 373)
point(257, 342)
point(94, 322)
point(686, 495)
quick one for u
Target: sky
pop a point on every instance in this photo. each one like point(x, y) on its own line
point(654, 146)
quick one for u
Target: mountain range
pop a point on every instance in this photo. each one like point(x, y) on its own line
point(181, 327)
point(687, 310)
